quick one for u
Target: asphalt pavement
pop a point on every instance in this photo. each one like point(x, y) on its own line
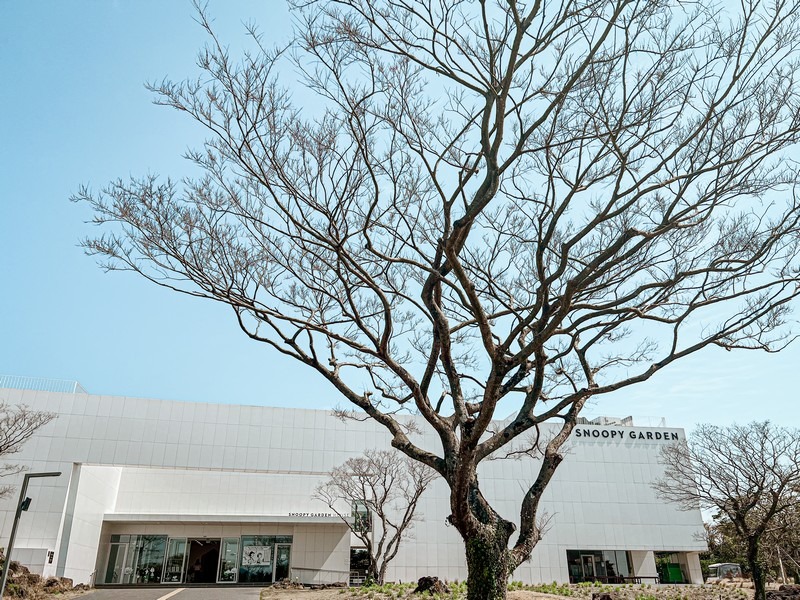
point(170, 593)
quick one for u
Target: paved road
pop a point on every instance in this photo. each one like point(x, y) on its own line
point(169, 593)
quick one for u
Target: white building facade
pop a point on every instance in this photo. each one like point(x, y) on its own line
point(159, 492)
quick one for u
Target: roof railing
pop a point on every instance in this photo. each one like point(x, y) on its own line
point(41, 384)
point(629, 421)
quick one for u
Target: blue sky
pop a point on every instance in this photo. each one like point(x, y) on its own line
point(73, 110)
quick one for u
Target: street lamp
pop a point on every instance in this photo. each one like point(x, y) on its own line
point(23, 504)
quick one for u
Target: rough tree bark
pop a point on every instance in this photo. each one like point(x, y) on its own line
point(756, 568)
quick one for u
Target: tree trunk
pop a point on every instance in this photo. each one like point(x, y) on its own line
point(373, 575)
point(489, 562)
point(759, 582)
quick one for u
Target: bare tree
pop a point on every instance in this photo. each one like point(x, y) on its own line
point(748, 473)
point(17, 424)
point(782, 545)
point(386, 486)
point(487, 204)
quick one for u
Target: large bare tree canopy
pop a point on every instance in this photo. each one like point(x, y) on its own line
point(749, 474)
point(526, 203)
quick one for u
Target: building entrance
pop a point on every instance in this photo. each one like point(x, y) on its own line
point(201, 566)
point(153, 559)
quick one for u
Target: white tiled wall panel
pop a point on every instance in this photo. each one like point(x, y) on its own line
point(153, 459)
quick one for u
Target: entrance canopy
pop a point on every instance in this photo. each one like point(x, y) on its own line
point(298, 518)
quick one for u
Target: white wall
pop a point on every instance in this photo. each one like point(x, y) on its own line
point(39, 528)
point(33, 558)
point(92, 494)
point(321, 554)
point(690, 561)
point(199, 491)
point(644, 564)
point(179, 457)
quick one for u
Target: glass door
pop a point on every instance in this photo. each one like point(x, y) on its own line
point(228, 561)
point(116, 562)
point(175, 561)
point(587, 562)
point(146, 558)
point(283, 555)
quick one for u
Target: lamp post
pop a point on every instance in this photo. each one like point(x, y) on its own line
point(23, 504)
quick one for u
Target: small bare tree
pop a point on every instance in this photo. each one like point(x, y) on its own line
point(490, 207)
point(380, 491)
point(17, 424)
point(748, 473)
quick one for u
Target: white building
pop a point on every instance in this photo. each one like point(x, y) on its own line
point(156, 491)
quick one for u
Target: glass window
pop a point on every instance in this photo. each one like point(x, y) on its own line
point(610, 563)
point(136, 559)
point(176, 555)
point(359, 560)
point(116, 563)
point(228, 560)
point(362, 519)
point(147, 561)
point(283, 559)
point(257, 562)
point(120, 538)
point(258, 553)
point(623, 563)
point(601, 566)
point(598, 565)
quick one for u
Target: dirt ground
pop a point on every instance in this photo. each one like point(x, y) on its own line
point(271, 593)
point(664, 593)
point(344, 594)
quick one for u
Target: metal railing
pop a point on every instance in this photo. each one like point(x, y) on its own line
point(41, 384)
point(307, 575)
point(629, 421)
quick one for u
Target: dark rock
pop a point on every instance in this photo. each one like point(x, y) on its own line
point(54, 585)
point(29, 579)
point(432, 585)
point(785, 592)
point(604, 596)
point(15, 567)
point(286, 584)
point(17, 591)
